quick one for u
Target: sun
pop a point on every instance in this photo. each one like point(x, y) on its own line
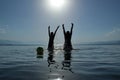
point(57, 4)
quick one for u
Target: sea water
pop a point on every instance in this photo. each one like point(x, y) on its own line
point(85, 62)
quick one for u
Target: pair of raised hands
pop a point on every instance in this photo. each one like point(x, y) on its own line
point(71, 24)
point(62, 26)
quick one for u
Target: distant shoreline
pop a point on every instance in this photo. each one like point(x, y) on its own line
point(16, 43)
point(22, 45)
point(46, 45)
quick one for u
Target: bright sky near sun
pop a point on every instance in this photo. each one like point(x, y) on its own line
point(28, 20)
point(56, 4)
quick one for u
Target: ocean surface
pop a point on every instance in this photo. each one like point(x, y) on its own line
point(85, 62)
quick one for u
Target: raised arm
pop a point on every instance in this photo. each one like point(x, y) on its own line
point(63, 29)
point(56, 30)
point(49, 30)
point(71, 28)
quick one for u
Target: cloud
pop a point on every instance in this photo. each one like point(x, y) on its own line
point(2, 31)
point(114, 34)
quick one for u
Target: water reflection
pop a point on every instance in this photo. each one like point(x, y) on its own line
point(50, 58)
point(40, 56)
point(66, 63)
point(58, 79)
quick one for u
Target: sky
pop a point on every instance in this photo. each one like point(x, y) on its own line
point(28, 20)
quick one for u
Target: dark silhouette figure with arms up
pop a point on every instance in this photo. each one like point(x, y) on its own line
point(67, 37)
point(51, 38)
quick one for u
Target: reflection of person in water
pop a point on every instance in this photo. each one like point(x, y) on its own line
point(67, 37)
point(67, 61)
point(50, 58)
point(51, 38)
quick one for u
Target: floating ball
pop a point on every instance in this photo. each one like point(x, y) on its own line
point(39, 51)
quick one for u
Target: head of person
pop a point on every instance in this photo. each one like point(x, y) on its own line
point(68, 32)
point(51, 33)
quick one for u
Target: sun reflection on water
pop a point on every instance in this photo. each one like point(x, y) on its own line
point(58, 79)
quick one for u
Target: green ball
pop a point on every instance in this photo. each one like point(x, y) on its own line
point(40, 50)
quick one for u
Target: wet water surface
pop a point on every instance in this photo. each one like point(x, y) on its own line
point(86, 62)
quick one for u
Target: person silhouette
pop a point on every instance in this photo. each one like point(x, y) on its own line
point(51, 38)
point(67, 37)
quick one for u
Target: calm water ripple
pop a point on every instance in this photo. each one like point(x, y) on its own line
point(87, 62)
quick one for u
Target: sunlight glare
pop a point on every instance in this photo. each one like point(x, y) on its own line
point(57, 4)
point(58, 79)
